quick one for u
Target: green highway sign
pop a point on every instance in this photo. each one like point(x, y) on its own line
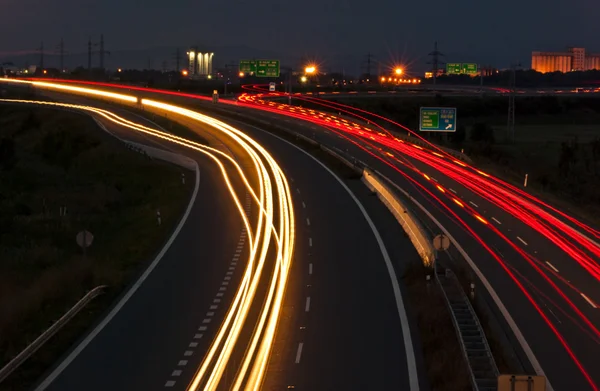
point(453, 68)
point(261, 68)
point(267, 68)
point(248, 66)
point(469, 69)
point(437, 119)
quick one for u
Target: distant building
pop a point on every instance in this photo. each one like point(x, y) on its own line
point(200, 65)
point(575, 59)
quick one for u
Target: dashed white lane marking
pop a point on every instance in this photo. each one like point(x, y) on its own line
point(310, 242)
point(522, 241)
point(194, 344)
point(496, 220)
point(474, 204)
point(307, 306)
point(298, 190)
point(299, 352)
point(303, 204)
point(307, 221)
point(552, 266)
point(310, 268)
point(590, 302)
point(452, 190)
point(435, 180)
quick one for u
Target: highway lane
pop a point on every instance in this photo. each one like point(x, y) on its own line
point(341, 328)
point(545, 344)
point(334, 321)
point(145, 342)
point(536, 332)
point(541, 339)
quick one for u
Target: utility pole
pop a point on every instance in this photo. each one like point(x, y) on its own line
point(510, 126)
point(90, 53)
point(102, 51)
point(61, 52)
point(177, 58)
point(226, 75)
point(435, 61)
point(369, 57)
point(41, 50)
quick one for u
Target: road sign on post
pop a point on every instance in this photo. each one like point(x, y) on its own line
point(267, 68)
point(248, 66)
point(453, 68)
point(437, 119)
point(469, 68)
point(272, 86)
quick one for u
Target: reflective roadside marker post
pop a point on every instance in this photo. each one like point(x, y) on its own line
point(525, 184)
point(158, 216)
point(84, 239)
point(182, 178)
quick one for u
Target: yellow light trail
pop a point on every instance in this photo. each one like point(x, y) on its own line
point(267, 236)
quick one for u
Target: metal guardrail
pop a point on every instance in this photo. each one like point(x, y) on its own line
point(477, 353)
point(409, 223)
point(46, 335)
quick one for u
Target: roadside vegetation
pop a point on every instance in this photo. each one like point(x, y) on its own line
point(52, 162)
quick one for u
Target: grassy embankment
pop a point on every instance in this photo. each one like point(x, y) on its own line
point(53, 159)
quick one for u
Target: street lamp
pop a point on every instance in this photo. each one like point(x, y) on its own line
point(310, 69)
point(303, 79)
point(399, 71)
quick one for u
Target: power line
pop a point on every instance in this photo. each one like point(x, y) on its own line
point(435, 60)
point(41, 50)
point(177, 58)
point(510, 126)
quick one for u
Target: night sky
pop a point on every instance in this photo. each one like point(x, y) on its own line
point(333, 32)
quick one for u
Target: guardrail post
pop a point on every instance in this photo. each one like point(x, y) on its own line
point(182, 178)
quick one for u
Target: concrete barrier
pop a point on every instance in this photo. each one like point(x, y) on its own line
point(167, 156)
point(407, 220)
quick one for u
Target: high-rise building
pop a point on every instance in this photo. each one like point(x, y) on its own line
point(199, 63)
point(575, 59)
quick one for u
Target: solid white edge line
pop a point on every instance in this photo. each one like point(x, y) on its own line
point(552, 266)
point(509, 319)
point(299, 352)
point(63, 365)
point(413, 379)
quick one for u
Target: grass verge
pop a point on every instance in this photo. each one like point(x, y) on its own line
point(445, 365)
point(53, 159)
